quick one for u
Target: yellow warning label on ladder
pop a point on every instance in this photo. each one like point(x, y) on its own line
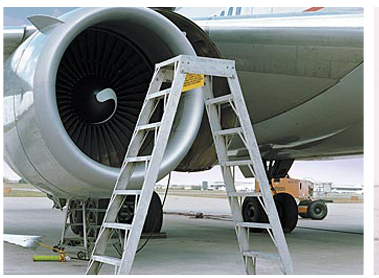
point(193, 81)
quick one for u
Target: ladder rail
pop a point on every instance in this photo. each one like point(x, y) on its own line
point(152, 173)
point(220, 143)
point(260, 173)
point(126, 172)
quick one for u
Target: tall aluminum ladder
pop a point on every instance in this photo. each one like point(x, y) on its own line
point(175, 70)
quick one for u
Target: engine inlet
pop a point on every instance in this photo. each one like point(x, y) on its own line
point(101, 84)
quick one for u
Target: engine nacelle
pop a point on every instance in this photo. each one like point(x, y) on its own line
point(73, 92)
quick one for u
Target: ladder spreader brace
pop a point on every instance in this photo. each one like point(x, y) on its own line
point(175, 71)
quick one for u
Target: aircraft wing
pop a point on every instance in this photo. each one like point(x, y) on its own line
point(13, 37)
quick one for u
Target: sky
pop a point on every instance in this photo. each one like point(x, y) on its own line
point(340, 172)
point(18, 16)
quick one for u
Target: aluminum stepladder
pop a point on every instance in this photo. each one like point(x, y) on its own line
point(180, 66)
point(168, 71)
point(226, 69)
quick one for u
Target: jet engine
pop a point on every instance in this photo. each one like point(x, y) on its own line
point(73, 92)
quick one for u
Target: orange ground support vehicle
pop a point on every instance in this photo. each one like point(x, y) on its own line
point(292, 197)
point(301, 190)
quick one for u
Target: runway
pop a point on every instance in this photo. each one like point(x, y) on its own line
point(196, 246)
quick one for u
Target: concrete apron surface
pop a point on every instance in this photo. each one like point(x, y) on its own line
point(195, 246)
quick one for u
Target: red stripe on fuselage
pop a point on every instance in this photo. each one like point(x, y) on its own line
point(314, 9)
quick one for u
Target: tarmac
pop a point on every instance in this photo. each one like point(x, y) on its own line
point(195, 246)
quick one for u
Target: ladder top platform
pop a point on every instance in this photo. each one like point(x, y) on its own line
point(201, 65)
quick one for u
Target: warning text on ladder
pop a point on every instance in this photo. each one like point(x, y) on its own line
point(193, 81)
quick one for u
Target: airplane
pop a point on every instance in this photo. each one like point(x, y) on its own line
point(74, 86)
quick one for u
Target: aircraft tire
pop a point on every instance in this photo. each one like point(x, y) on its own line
point(154, 218)
point(252, 211)
point(287, 211)
point(317, 210)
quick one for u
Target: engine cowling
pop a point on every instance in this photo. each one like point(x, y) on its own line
point(73, 94)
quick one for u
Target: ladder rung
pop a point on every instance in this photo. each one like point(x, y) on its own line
point(254, 225)
point(245, 194)
point(118, 226)
point(237, 163)
point(219, 100)
point(127, 192)
point(107, 260)
point(229, 131)
point(138, 158)
point(148, 126)
point(159, 94)
point(262, 255)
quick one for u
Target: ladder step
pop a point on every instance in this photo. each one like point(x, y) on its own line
point(148, 126)
point(229, 131)
point(118, 226)
point(237, 163)
point(127, 192)
point(254, 225)
point(262, 255)
point(245, 194)
point(138, 158)
point(219, 100)
point(159, 94)
point(107, 260)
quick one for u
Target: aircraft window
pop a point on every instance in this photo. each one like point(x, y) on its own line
point(222, 13)
point(238, 12)
point(230, 12)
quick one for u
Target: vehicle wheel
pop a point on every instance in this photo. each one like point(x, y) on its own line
point(81, 255)
point(154, 219)
point(317, 210)
point(304, 203)
point(287, 211)
point(252, 211)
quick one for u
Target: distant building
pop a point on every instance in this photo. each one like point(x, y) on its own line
point(204, 185)
point(347, 189)
point(322, 187)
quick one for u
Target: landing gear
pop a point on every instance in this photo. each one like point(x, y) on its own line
point(93, 212)
point(252, 211)
point(154, 218)
point(153, 223)
point(287, 210)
